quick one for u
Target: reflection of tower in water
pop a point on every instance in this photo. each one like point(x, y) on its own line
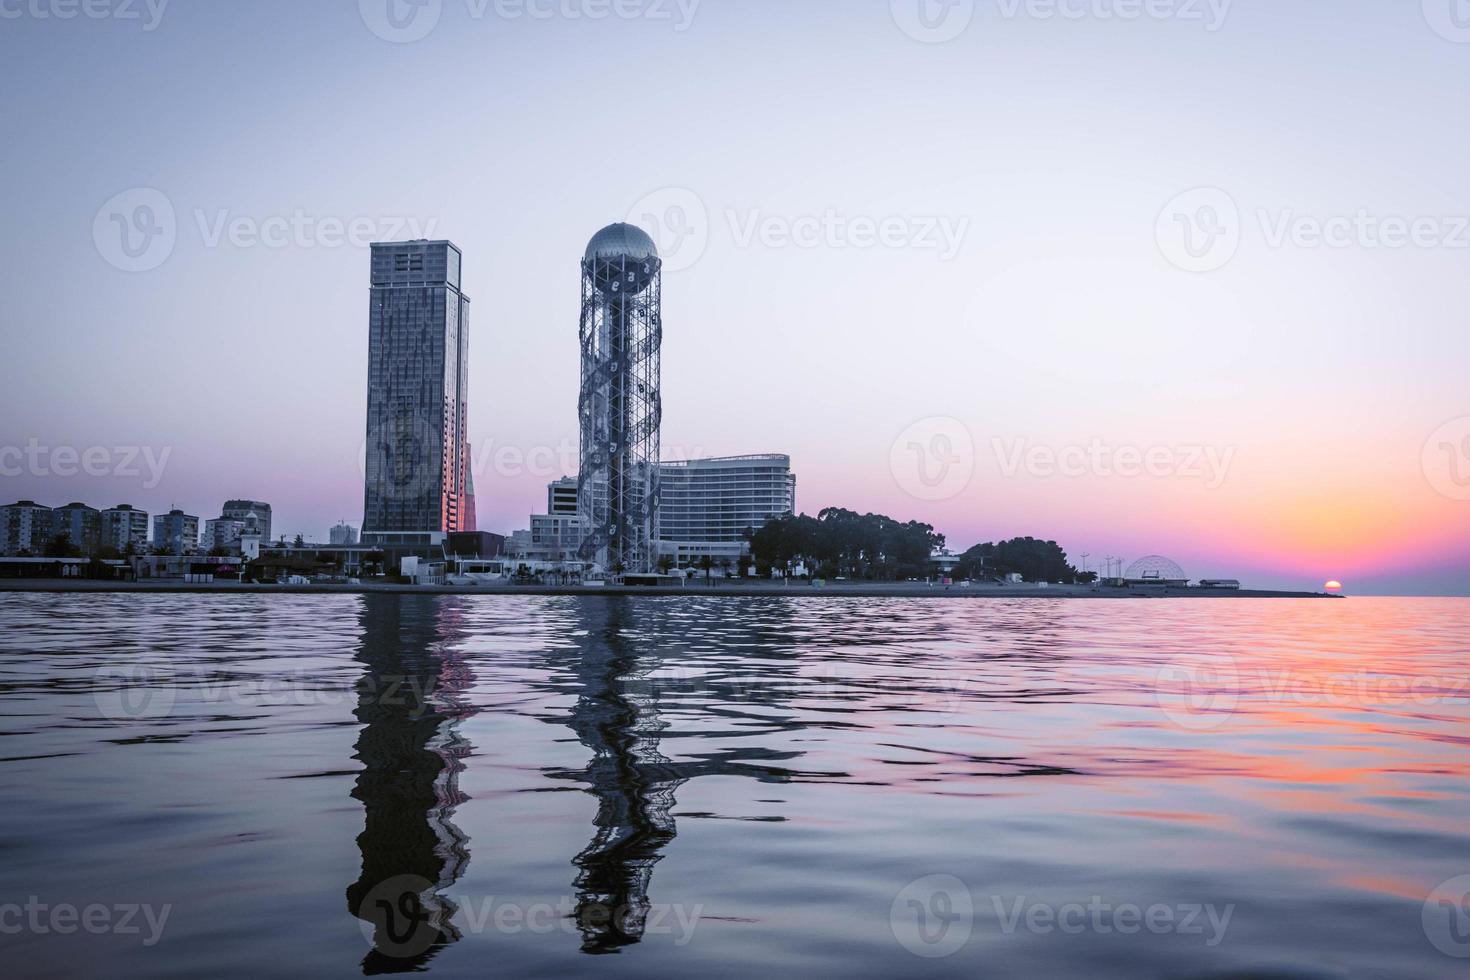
point(410, 751)
point(633, 781)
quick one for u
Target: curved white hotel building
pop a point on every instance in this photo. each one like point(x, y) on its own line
point(707, 505)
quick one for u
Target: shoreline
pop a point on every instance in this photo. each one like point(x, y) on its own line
point(744, 590)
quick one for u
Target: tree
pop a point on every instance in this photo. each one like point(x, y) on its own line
point(665, 564)
point(1034, 560)
point(60, 546)
point(300, 542)
point(844, 543)
point(705, 564)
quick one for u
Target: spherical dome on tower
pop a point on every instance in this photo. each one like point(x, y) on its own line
point(1156, 568)
point(621, 241)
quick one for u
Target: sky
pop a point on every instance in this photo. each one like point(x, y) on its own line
point(1179, 277)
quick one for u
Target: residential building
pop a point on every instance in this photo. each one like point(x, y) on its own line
point(561, 496)
point(176, 533)
point(708, 505)
point(254, 515)
point(222, 533)
point(555, 536)
point(80, 524)
point(125, 526)
point(343, 533)
point(417, 460)
point(25, 527)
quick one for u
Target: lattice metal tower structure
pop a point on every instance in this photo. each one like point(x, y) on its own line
point(620, 407)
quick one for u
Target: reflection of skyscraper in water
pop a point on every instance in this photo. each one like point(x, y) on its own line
point(633, 781)
point(411, 755)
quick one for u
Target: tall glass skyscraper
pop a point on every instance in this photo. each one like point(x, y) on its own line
point(417, 462)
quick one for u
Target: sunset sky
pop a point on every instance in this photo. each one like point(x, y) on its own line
point(900, 258)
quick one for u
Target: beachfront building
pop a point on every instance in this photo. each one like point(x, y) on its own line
point(417, 481)
point(222, 534)
point(238, 519)
point(25, 527)
point(79, 524)
point(708, 505)
point(254, 517)
point(125, 527)
point(561, 496)
point(555, 536)
point(176, 533)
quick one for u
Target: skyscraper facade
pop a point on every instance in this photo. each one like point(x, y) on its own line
point(417, 481)
point(620, 406)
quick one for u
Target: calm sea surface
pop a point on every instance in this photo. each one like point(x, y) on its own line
point(331, 786)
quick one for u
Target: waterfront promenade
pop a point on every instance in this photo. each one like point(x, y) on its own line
point(732, 589)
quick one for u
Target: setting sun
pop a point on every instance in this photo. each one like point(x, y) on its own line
point(1333, 586)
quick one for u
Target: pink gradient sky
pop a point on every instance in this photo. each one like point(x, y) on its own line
point(1058, 319)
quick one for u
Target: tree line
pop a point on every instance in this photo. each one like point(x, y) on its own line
point(841, 543)
point(1034, 560)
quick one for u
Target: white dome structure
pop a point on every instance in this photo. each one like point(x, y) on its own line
point(1155, 568)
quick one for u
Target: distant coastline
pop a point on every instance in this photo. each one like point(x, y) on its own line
point(731, 590)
